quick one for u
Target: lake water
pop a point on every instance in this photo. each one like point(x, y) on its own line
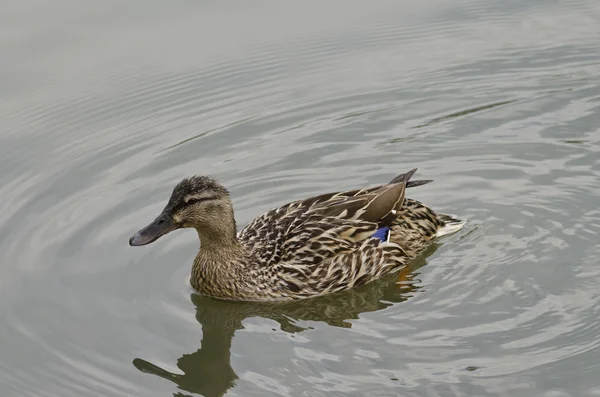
point(106, 105)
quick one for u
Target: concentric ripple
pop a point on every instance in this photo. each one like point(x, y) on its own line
point(104, 108)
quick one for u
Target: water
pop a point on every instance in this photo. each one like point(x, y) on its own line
point(105, 106)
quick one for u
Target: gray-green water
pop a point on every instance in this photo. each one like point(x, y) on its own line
point(104, 106)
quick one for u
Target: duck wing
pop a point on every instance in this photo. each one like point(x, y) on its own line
point(340, 244)
point(335, 197)
point(377, 205)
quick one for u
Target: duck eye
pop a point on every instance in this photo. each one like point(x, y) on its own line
point(196, 200)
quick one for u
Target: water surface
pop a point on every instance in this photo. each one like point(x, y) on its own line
point(106, 105)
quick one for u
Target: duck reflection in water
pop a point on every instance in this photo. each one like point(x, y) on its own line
point(208, 371)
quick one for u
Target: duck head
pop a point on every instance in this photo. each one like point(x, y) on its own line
point(197, 202)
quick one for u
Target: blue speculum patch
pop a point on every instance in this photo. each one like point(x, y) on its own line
point(382, 233)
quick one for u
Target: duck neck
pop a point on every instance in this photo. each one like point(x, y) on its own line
point(219, 261)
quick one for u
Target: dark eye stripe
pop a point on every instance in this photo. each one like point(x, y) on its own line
point(195, 200)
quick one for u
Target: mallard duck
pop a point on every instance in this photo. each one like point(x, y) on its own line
point(305, 248)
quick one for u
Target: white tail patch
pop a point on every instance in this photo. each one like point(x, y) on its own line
point(452, 225)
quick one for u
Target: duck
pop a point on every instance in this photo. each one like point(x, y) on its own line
point(306, 248)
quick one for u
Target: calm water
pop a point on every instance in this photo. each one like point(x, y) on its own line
point(104, 106)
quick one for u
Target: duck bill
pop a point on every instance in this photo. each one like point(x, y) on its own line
point(158, 228)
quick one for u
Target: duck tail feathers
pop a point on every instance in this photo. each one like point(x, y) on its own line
point(451, 225)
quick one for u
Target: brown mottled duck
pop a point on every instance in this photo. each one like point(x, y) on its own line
point(306, 248)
